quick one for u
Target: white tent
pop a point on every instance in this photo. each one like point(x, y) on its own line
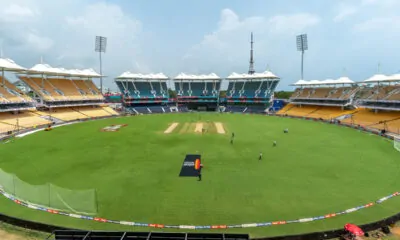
point(344, 80)
point(314, 82)
point(263, 75)
point(9, 65)
point(300, 82)
point(84, 73)
point(377, 78)
point(46, 69)
point(341, 80)
point(328, 81)
point(394, 77)
point(151, 76)
point(183, 76)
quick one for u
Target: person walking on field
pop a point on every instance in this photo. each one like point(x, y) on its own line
point(199, 171)
point(260, 156)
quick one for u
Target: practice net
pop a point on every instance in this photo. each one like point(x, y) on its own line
point(49, 195)
point(396, 142)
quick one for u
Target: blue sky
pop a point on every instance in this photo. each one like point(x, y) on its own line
point(204, 36)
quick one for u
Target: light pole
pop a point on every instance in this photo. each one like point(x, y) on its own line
point(100, 47)
point(302, 45)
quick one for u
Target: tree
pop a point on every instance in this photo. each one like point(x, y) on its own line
point(283, 94)
point(172, 93)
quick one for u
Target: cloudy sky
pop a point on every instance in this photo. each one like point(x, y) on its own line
point(348, 37)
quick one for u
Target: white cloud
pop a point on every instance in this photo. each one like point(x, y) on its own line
point(383, 3)
point(65, 34)
point(40, 43)
point(15, 13)
point(380, 24)
point(231, 38)
point(345, 11)
point(291, 24)
point(102, 19)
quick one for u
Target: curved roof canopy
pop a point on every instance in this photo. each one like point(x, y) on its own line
point(150, 76)
point(377, 78)
point(263, 75)
point(46, 69)
point(341, 80)
point(7, 64)
point(184, 76)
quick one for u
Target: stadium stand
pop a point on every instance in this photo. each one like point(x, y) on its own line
point(375, 103)
point(141, 91)
point(92, 111)
point(252, 93)
point(55, 87)
point(25, 119)
point(61, 89)
point(71, 95)
point(63, 114)
point(340, 92)
point(328, 99)
point(14, 104)
point(369, 118)
point(198, 92)
point(381, 96)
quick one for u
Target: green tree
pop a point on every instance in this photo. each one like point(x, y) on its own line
point(172, 93)
point(283, 94)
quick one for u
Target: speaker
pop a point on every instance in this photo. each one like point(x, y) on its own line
point(386, 230)
point(9, 132)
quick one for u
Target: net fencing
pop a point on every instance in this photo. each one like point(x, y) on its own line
point(396, 143)
point(49, 195)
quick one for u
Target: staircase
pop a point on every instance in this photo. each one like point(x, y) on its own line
point(104, 109)
point(312, 112)
point(52, 119)
point(77, 110)
point(394, 91)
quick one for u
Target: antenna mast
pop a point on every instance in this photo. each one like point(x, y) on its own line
point(251, 67)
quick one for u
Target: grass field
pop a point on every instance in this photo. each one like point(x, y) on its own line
point(316, 169)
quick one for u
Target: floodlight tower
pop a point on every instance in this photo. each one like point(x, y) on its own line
point(100, 47)
point(302, 45)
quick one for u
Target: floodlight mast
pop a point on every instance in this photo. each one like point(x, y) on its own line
point(100, 47)
point(302, 45)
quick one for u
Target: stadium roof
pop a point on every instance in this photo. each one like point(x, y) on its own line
point(184, 76)
point(394, 77)
point(48, 70)
point(377, 78)
point(151, 76)
point(263, 75)
point(383, 78)
point(9, 65)
point(341, 80)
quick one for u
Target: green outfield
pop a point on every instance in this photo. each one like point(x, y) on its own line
point(315, 169)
